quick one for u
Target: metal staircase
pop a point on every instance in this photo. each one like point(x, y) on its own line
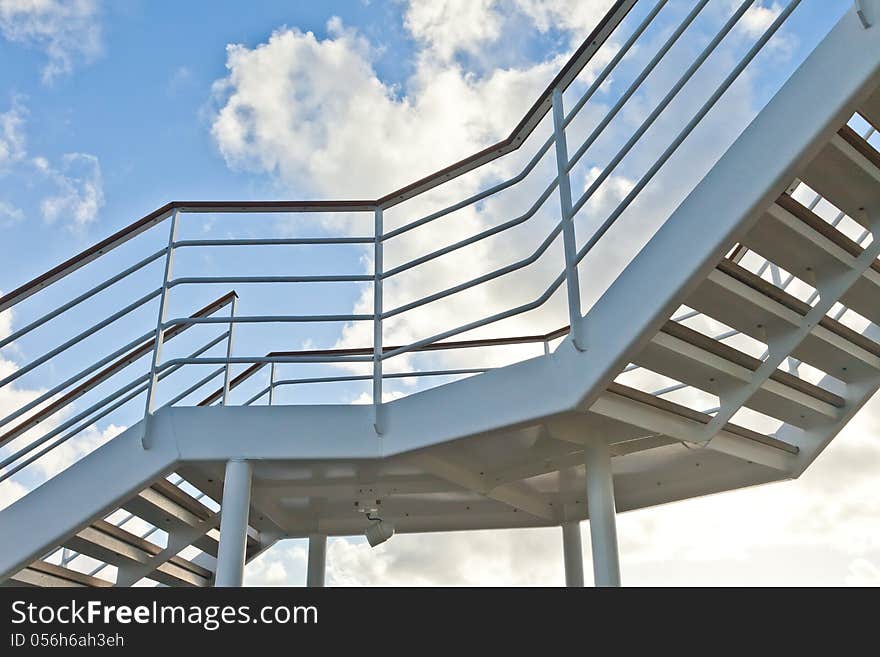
point(727, 353)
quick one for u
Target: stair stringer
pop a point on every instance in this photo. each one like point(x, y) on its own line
point(91, 488)
point(746, 180)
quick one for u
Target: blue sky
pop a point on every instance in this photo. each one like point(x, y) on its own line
point(114, 108)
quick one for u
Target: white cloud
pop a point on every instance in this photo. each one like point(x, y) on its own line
point(9, 214)
point(12, 139)
point(80, 190)
point(325, 97)
point(77, 185)
point(74, 449)
point(576, 17)
point(448, 27)
point(283, 565)
point(759, 17)
point(11, 491)
point(67, 31)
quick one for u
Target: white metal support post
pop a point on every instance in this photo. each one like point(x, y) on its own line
point(272, 384)
point(600, 505)
point(568, 234)
point(234, 523)
point(157, 340)
point(378, 233)
point(573, 553)
point(317, 565)
point(229, 346)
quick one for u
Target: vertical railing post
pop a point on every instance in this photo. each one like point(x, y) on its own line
point(272, 384)
point(157, 340)
point(227, 374)
point(568, 235)
point(378, 233)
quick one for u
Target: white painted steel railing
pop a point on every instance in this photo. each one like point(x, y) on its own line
point(59, 398)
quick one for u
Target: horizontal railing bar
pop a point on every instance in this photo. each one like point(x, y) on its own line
point(268, 319)
point(612, 64)
point(76, 418)
point(437, 346)
point(237, 380)
point(83, 258)
point(608, 169)
point(366, 377)
point(393, 375)
point(138, 352)
point(78, 300)
point(248, 360)
point(210, 280)
point(597, 83)
point(142, 379)
point(479, 236)
point(483, 322)
point(475, 197)
point(269, 207)
point(485, 278)
point(658, 110)
point(453, 372)
point(63, 439)
point(38, 417)
point(517, 137)
point(198, 384)
point(281, 241)
point(634, 86)
point(688, 129)
point(24, 369)
point(530, 121)
point(73, 379)
point(256, 397)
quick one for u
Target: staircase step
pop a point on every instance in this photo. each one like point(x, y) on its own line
point(795, 238)
point(116, 546)
point(702, 362)
point(847, 173)
point(696, 416)
point(160, 510)
point(169, 507)
point(746, 302)
point(49, 575)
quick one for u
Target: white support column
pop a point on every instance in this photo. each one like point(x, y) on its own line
point(317, 560)
point(600, 505)
point(573, 554)
point(234, 523)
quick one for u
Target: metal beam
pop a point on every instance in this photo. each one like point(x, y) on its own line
point(516, 495)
